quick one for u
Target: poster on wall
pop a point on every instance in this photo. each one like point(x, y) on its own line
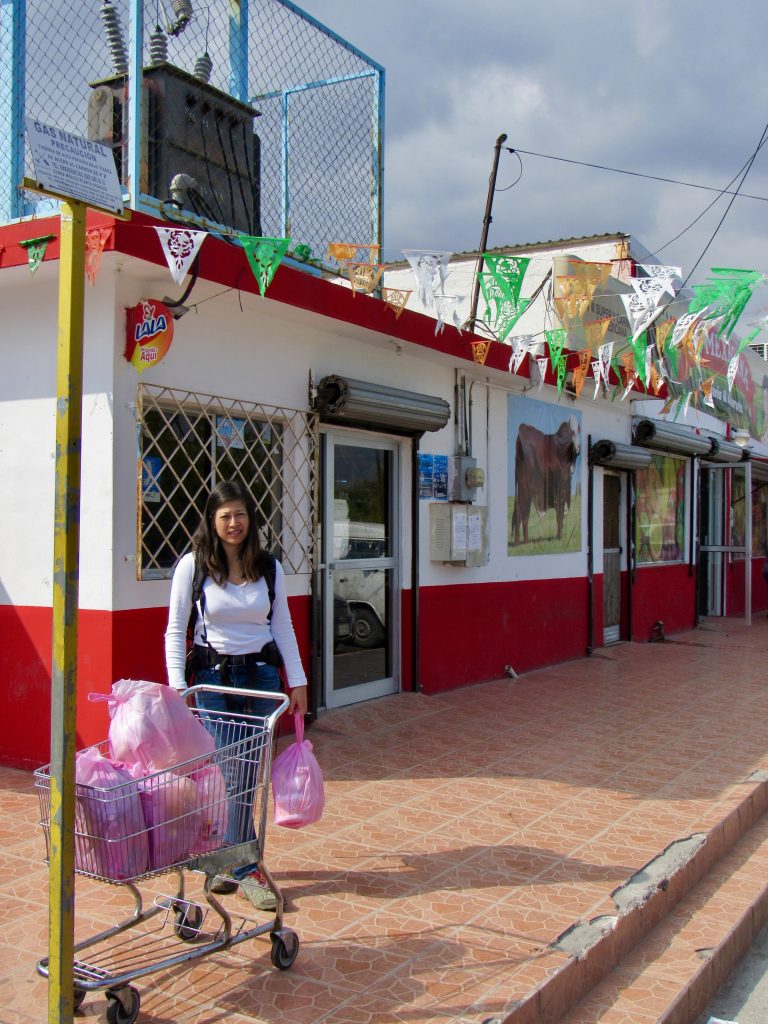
point(660, 510)
point(433, 477)
point(543, 478)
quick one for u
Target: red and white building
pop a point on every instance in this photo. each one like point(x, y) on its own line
point(383, 460)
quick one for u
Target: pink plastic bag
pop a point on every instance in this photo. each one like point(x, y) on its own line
point(171, 806)
point(297, 783)
point(212, 793)
point(151, 725)
point(110, 830)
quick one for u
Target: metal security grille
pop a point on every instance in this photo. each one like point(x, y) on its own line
point(189, 442)
point(267, 122)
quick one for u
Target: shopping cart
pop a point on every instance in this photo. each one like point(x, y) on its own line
point(205, 816)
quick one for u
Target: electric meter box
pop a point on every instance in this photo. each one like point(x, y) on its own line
point(458, 533)
point(464, 478)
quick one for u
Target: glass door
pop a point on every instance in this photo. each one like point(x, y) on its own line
point(360, 569)
point(611, 558)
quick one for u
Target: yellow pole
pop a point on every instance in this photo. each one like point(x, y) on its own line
point(66, 553)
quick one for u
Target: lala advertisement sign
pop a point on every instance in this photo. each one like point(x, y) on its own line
point(149, 333)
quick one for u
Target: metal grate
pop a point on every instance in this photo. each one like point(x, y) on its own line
point(189, 442)
point(274, 123)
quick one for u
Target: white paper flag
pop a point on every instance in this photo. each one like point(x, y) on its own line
point(648, 355)
point(733, 366)
point(596, 375)
point(519, 352)
point(542, 364)
point(180, 246)
point(656, 270)
point(604, 354)
point(652, 288)
point(448, 306)
point(641, 311)
point(430, 269)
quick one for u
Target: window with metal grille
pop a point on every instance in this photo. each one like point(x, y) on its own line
point(189, 442)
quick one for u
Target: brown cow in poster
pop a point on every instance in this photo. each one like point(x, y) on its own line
point(544, 465)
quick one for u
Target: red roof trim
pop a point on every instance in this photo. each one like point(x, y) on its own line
point(226, 264)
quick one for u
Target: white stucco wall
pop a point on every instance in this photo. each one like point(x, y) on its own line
point(238, 346)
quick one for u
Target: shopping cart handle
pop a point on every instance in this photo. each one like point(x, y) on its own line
point(280, 699)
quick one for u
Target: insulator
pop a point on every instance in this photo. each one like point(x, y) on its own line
point(183, 11)
point(203, 68)
point(117, 49)
point(158, 46)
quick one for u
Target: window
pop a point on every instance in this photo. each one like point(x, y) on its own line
point(189, 442)
point(660, 510)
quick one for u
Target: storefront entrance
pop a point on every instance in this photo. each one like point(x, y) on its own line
point(360, 563)
point(611, 558)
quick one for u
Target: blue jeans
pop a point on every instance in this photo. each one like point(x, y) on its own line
point(239, 742)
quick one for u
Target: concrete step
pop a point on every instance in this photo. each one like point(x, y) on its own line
point(682, 923)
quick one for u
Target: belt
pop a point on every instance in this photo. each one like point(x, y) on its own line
point(207, 657)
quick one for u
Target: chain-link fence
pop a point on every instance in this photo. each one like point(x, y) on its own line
point(253, 116)
point(189, 442)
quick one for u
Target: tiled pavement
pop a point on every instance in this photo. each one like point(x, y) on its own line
point(463, 834)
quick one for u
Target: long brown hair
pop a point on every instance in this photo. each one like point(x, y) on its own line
point(208, 548)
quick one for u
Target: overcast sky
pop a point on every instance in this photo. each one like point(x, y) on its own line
point(674, 90)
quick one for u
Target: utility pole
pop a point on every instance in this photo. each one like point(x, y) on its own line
point(486, 224)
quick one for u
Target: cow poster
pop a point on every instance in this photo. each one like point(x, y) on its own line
point(543, 478)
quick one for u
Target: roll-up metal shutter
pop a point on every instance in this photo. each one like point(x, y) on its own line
point(671, 438)
point(616, 455)
point(361, 403)
point(726, 451)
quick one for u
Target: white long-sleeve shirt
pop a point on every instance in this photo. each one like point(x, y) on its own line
point(235, 621)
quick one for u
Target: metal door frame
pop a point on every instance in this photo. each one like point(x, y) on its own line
point(330, 437)
point(619, 475)
point(707, 550)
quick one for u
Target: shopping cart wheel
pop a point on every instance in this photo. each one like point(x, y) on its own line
point(188, 921)
point(79, 997)
point(123, 1006)
point(285, 948)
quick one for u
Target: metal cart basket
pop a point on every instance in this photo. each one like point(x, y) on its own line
point(208, 815)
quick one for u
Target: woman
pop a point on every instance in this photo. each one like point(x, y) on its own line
point(241, 636)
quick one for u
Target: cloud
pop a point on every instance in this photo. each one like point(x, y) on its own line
point(661, 89)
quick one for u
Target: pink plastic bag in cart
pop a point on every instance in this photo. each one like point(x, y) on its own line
point(214, 813)
point(110, 830)
point(297, 783)
point(151, 725)
point(171, 806)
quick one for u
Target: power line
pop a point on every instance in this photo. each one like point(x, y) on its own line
point(636, 174)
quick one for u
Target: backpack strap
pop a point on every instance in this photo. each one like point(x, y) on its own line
point(198, 600)
point(270, 574)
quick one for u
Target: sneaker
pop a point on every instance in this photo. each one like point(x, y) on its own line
point(223, 886)
point(255, 888)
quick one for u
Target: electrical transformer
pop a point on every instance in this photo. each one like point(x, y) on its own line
point(199, 147)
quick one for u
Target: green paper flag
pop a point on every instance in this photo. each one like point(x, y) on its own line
point(501, 309)
point(264, 256)
point(561, 374)
point(726, 294)
point(36, 250)
point(508, 272)
point(556, 344)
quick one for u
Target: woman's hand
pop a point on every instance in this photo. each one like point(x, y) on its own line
point(298, 703)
